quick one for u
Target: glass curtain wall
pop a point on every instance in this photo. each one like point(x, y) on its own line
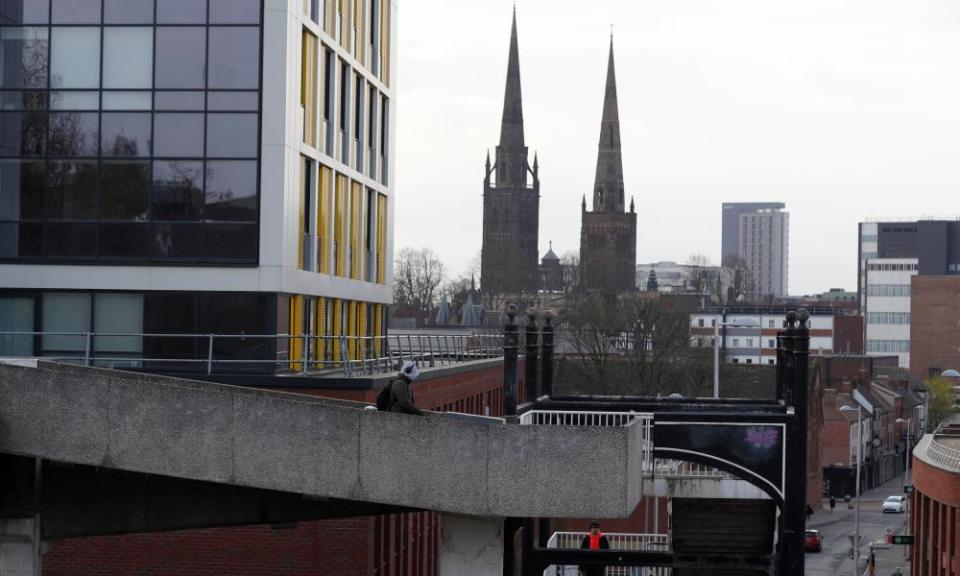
point(129, 130)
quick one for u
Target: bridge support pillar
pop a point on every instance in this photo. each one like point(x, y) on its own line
point(471, 546)
point(19, 516)
point(20, 546)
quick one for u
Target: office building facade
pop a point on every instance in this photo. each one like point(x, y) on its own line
point(730, 226)
point(196, 167)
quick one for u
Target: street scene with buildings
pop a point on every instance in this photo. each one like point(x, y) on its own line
point(317, 287)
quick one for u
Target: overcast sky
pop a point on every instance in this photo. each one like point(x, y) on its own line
point(843, 109)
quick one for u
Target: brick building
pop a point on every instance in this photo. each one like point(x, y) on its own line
point(384, 545)
point(935, 504)
point(934, 330)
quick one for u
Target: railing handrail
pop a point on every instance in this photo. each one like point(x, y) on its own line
point(943, 454)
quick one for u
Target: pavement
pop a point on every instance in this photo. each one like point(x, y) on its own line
point(837, 526)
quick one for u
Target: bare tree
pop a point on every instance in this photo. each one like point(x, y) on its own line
point(418, 274)
point(741, 287)
point(590, 324)
point(570, 267)
point(699, 272)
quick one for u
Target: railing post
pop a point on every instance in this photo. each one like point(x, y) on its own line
point(209, 354)
point(530, 362)
point(306, 353)
point(546, 343)
point(510, 337)
point(87, 347)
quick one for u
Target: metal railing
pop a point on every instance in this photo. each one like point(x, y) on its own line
point(618, 541)
point(682, 469)
point(942, 454)
point(286, 353)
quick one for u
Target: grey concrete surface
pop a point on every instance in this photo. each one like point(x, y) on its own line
point(313, 446)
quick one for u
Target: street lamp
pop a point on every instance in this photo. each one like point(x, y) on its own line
point(856, 512)
point(735, 323)
point(906, 474)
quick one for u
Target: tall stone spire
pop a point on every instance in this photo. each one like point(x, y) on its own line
point(608, 184)
point(512, 153)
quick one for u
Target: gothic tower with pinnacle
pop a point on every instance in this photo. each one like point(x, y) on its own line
point(608, 234)
point(509, 263)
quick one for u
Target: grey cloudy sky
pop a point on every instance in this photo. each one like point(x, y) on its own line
point(843, 109)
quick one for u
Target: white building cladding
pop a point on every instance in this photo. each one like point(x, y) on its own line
point(754, 339)
point(228, 169)
point(886, 307)
point(764, 243)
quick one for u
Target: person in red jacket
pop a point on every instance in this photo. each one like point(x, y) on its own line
point(595, 540)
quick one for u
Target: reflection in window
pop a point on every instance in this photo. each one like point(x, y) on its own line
point(73, 190)
point(75, 58)
point(179, 57)
point(178, 135)
point(127, 57)
point(21, 190)
point(32, 242)
point(123, 241)
point(176, 242)
point(23, 52)
point(76, 11)
point(23, 100)
point(85, 100)
point(232, 135)
point(233, 101)
point(128, 11)
point(125, 190)
point(74, 134)
point(71, 240)
point(22, 133)
point(231, 192)
point(177, 191)
point(234, 11)
point(234, 58)
point(25, 11)
point(230, 241)
point(181, 11)
point(126, 101)
point(179, 101)
point(125, 134)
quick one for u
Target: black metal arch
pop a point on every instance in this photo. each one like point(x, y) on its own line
point(740, 472)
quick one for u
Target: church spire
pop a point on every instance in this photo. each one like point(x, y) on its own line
point(608, 185)
point(512, 153)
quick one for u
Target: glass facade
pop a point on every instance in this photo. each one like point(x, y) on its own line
point(130, 130)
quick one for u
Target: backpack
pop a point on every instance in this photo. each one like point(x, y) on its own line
point(383, 398)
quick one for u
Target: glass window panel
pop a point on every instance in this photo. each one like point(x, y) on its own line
point(124, 190)
point(234, 11)
point(75, 58)
point(23, 57)
point(177, 191)
point(233, 101)
point(234, 58)
point(23, 133)
point(179, 57)
point(71, 240)
point(74, 134)
point(232, 135)
point(118, 314)
point(72, 190)
point(21, 190)
point(16, 315)
point(128, 11)
point(65, 312)
point(230, 241)
point(179, 101)
point(76, 11)
point(126, 101)
point(24, 11)
point(123, 241)
point(125, 134)
point(231, 191)
point(87, 100)
point(23, 100)
point(32, 240)
point(128, 57)
point(9, 248)
point(181, 11)
point(176, 242)
point(178, 135)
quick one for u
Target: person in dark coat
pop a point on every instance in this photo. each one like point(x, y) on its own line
point(401, 393)
point(595, 540)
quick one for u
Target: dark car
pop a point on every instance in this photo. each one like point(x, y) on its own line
point(813, 541)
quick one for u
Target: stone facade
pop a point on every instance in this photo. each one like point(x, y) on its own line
point(509, 266)
point(608, 235)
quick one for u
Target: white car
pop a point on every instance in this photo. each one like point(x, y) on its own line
point(895, 504)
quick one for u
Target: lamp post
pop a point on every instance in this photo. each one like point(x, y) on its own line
point(856, 511)
point(735, 323)
point(906, 474)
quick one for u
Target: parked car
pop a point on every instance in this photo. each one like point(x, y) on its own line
point(813, 540)
point(895, 504)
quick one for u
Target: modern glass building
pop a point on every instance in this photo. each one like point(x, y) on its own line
point(195, 167)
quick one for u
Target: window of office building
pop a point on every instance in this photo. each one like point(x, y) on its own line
point(129, 130)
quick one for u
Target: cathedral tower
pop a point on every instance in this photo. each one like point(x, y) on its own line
point(509, 267)
point(608, 235)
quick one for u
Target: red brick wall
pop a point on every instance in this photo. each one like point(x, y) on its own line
point(935, 510)
point(387, 545)
point(933, 338)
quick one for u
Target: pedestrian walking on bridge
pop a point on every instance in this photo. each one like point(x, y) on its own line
point(595, 540)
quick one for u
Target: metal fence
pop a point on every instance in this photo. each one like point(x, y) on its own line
point(283, 353)
point(618, 541)
point(941, 453)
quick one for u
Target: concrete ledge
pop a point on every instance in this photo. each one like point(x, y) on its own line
point(315, 446)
